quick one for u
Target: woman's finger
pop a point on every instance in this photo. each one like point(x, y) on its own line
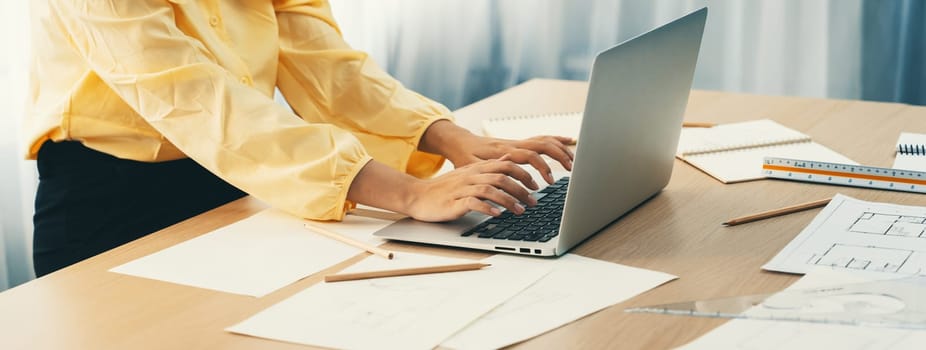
point(491, 193)
point(509, 186)
point(475, 204)
point(526, 156)
point(552, 149)
point(512, 170)
point(564, 143)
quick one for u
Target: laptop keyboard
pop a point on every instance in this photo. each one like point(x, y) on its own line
point(538, 224)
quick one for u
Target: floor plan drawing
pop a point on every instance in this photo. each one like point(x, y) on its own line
point(863, 258)
point(858, 235)
point(887, 224)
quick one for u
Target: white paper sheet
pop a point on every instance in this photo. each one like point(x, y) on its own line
point(859, 235)
point(783, 335)
point(576, 287)
point(408, 312)
point(254, 256)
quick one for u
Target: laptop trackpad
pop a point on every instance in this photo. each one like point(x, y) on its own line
point(413, 230)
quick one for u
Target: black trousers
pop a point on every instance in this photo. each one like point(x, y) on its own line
point(89, 202)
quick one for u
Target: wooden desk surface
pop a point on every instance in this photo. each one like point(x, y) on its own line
point(678, 232)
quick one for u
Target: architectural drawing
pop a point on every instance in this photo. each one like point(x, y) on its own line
point(859, 235)
point(888, 224)
point(868, 258)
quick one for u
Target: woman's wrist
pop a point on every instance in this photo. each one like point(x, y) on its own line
point(380, 186)
point(445, 138)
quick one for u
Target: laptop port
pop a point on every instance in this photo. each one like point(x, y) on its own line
point(537, 251)
point(506, 248)
point(526, 250)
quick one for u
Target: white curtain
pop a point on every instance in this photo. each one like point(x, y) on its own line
point(457, 51)
point(808, 48)
point(17, 177)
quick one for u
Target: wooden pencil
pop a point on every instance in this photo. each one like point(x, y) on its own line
point(350, 241)
point(777, 212)
point(698, 125)
point(404, 272)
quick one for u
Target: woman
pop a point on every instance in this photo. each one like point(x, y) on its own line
point(148, 112)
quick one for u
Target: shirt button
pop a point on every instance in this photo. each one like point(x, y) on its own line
point(214, 21)
point(245, 80)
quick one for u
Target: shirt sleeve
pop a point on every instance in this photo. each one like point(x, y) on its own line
point(325, 80)
point(233, 130)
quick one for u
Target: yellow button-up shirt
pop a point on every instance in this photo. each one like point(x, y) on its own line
point(157, 80)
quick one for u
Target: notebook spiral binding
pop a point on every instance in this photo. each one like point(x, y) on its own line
point(535, 116)
point(911, 149)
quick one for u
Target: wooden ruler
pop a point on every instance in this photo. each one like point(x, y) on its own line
point(844, 174)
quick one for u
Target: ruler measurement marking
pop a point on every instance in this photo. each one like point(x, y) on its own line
point(844, 174)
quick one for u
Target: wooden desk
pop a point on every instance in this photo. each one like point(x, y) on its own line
point(678, 232)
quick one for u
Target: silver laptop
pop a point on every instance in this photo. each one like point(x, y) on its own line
point(630, 128)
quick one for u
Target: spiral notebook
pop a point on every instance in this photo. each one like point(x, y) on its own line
point(910, 152)
point(734, 152)
point(525, 126)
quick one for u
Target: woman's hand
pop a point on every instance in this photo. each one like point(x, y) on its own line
point(454, 194)
point(462, 147)
point(449, 196)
